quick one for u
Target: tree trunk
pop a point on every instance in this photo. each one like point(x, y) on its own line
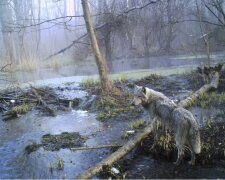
point(106, 83)
point(6, 21)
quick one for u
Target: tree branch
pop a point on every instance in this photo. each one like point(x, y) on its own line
point(97, 28)
point(204, 21)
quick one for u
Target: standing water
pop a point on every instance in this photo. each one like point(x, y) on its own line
point(16, 134)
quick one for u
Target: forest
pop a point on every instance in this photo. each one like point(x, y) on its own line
point(122, 89)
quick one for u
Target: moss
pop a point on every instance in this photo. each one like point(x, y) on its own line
point(210, 99)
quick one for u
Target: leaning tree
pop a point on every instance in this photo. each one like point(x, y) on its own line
point(107, 84)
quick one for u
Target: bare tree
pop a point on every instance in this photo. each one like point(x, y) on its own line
point(204, 35)
point(5, 19)
point(106, 83)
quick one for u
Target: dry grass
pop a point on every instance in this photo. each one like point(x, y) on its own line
point(58, 62)
point(27, 65)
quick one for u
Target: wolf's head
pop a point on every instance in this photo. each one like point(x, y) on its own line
point(146, 96)
point(140, 95)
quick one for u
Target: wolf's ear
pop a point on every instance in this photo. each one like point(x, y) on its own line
point(137, 87)
point(144, 90)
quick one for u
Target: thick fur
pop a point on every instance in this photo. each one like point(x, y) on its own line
point(178, 119)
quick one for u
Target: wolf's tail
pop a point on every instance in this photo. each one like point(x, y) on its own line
point(195, 140)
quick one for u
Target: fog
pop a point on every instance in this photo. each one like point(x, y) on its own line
point(42, 34)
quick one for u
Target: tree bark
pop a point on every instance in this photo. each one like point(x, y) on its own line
point(106, 83)
point(126, 148)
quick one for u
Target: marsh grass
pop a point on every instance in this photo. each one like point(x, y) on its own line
point(138, 124)
point(210, 99)
point(111, 107)
point(27, 65)
point(58, 62)
point(21, 109)
point(90, 82)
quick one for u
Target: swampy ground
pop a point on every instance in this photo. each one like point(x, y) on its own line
point(36, 145)
point(153, 158)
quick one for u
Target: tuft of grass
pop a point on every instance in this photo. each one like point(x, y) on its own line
point(125, 135)
point(138, 124)
point(60, 163)
point(122, 78)
point(111, 107)
point(210, 99)
point(91, 82)
point(21, 109)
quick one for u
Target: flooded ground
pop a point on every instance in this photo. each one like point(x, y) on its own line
point(134, 68)
point(16, 134)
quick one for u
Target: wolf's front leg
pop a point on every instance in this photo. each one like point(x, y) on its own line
point(155, 123)
point(179, 157)
point(192, 161)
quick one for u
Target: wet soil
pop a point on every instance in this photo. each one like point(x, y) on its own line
point(153, 159)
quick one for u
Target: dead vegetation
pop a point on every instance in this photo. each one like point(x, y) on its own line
point(56, 142)
point(16, 102)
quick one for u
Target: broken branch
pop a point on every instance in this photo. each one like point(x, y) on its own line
point(96, 147)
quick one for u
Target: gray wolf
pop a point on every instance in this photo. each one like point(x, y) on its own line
point(178, 119)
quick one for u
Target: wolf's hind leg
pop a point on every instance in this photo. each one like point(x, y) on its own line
point(192, 161)
point(180, 138)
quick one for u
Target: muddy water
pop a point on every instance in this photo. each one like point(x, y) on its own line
point(16, 134)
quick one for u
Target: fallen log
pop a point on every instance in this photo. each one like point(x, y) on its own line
point(49, 109)
point(207, 87)
point(121, 152)
point(126, 148)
